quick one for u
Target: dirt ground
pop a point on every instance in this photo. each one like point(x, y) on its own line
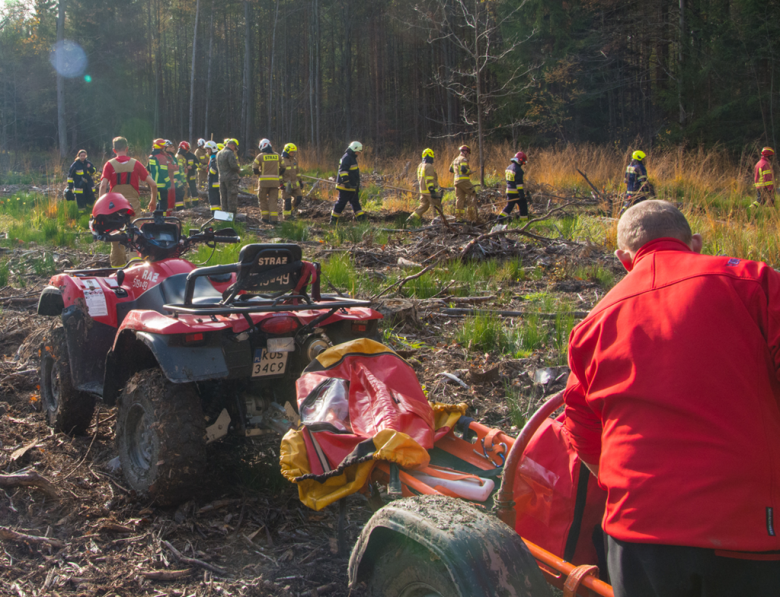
point(245, 532)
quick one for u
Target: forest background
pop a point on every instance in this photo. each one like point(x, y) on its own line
point(393, 73)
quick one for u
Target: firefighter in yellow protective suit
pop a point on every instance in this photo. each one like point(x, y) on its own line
point(202, 158)
point(269, 169)
point(292, 185)
point(465, 195)
point(430, 191)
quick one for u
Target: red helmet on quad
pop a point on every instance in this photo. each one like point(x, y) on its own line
point(520, 158)
point(184, 145)
point(111, 212)
point(767, 152)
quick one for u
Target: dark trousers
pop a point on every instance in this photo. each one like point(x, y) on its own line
point(521, 204)
point(86, 198)
point(649, 570)
point(193, 184)
point(214, 200)
point(166, 199)
point(353, 199)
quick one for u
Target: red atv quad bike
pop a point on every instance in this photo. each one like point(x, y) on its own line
point(187, 353)
point(462, 509)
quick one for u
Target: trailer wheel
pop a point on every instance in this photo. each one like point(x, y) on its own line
point(404, 568)
point(67, 409)
point(160, 437)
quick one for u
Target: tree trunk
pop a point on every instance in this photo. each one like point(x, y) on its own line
point(478, 71)
point(208, 76)
point(271, 75)
point(192, 71)
point(681, 62)
point(246, 100)
point(62, 130)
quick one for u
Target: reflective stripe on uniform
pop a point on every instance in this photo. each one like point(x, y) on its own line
point(215, 207)
point(274, 214)
point(286, 213)
point(79, 190)
point(214, 185)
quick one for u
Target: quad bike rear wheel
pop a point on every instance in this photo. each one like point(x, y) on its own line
point(404, 568)
point(160, 437)
point(67, 409)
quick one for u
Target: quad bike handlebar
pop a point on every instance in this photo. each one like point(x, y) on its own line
point(161, 237)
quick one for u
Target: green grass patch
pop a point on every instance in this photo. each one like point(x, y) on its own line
point(294, 230)
point(485, 333)
point(595, 273)
point(4, 272)
point(222, 255)
point(423, 287)
point(340, 272)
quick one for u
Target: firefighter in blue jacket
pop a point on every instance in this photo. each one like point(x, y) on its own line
point(212, 178)
point(515, 194)
point(81, 181)
point(348, 184)
point(638, 188)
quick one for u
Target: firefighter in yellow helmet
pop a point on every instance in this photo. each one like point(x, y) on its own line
point(465, 195)
point(430, 191)
point(292, 185)
point(269, 169)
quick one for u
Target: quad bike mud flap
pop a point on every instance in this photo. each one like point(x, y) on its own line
point(484, 557)
point(183, 364)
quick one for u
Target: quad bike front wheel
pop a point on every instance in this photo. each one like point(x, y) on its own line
point(407, 569)
point(67, 409)
point(160, 437)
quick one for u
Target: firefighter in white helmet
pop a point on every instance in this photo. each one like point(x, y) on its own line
point(348, 184)
point(269, 169)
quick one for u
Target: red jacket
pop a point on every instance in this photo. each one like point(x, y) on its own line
point(763, 177)
point(674, 391)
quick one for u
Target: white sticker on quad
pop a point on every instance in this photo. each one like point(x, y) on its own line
point(96, 303)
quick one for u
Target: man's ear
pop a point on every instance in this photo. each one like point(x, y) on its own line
point(696, 243)
point(625, 258)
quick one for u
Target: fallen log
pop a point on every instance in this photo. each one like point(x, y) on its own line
point(464, 312)
point(166, 574)
point(32, 479)
point(9, 535)
point(194, 562)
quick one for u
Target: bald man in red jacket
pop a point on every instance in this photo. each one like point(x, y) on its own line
point(674, 403)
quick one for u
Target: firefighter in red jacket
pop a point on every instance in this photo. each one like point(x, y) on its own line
point(764, 179)
point(674, 403)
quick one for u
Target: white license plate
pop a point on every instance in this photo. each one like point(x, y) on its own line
point(268, 363)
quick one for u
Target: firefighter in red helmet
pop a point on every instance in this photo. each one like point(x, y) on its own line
point(158, 168)
point(188, 162)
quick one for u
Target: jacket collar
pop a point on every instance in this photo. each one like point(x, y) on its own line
point(660, 244)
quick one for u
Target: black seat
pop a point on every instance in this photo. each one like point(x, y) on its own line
point(173, 290)
point(268, 268)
